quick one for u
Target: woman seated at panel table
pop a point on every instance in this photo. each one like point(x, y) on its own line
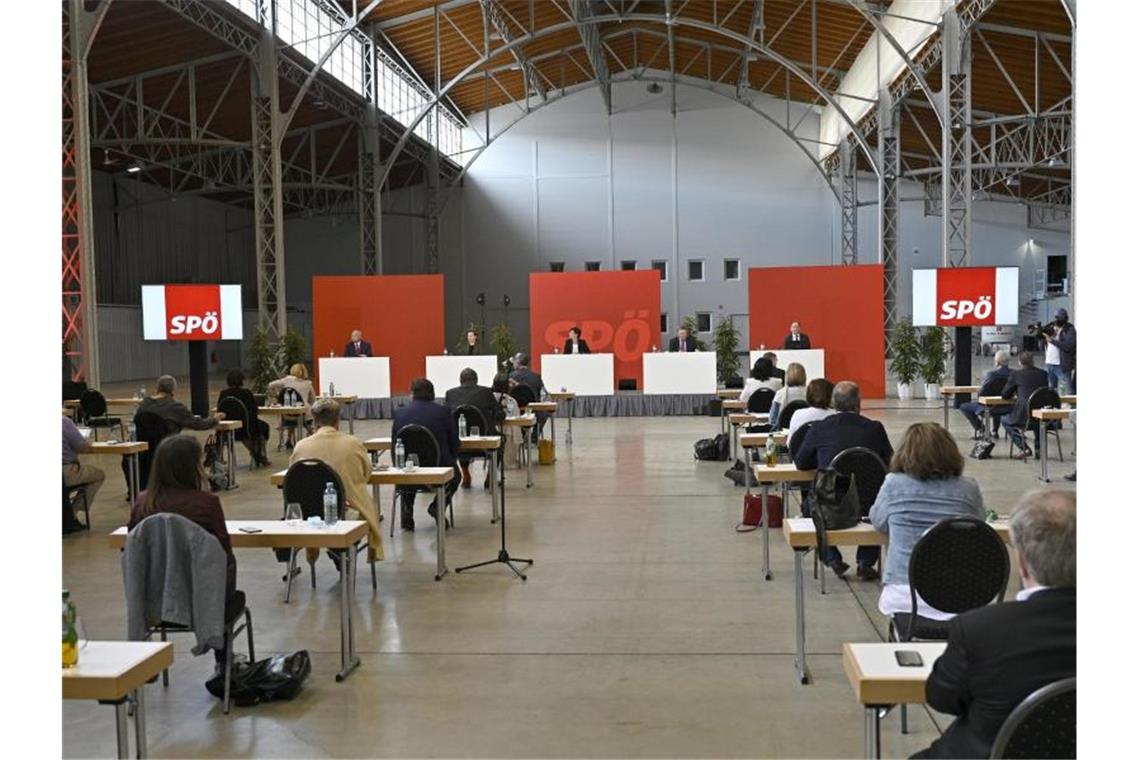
point(924, 487)
point(257, 431)
point(795, 389)
point(762, 376)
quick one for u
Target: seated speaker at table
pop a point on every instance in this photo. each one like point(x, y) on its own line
point(684, 342)
point(574, 344)
point(357, 346)
point(796, 339)
point(472, 346)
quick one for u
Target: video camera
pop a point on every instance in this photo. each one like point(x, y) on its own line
point(1039, 330)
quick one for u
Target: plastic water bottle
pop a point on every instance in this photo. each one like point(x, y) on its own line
point(332, 388)
point(398, 455)
point(770, 454)
point(462, 427)
point(70, 637)
point(142, 391)
point(330, 505)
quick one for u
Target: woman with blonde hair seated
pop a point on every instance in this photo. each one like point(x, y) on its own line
point(924, 486)
point(298, 382)
point(795, 389)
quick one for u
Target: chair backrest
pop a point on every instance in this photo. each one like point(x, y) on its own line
point(473, 415)
point(1043, 397)
point(761, 400)
point(797, 438)
point(73, 389)
point(93, 403)
point(235, 410)
point(305, 484)
point(959, 564)
point(420, 441)
point(523, 395)
point(868, 469)
point(153, 429)
point(787, 411)
point(1044, 725)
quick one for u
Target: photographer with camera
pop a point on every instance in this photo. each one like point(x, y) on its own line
point(1062, 339)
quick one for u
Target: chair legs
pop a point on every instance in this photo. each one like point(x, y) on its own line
point(392, 522)
point(229, 669)
point(165, 671)
point(290, 573)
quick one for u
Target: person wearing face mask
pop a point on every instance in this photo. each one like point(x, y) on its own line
point(1064, 337)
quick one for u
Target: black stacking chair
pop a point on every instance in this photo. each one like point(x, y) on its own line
point(73, 391)
point(420, 441)
point(152, 429)
point(475, 418)
point(787, 411)
point(868, 469)
point(75, 499)
point(960, 564)
point(235, 410)
point(1044, 725)
point(287, 430)
point(761, 400)
point(797, 439)
point(305, 485)
point(94, 407)
point(1039, 399)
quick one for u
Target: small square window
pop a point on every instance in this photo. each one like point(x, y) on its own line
point(664, 323)
point(628, 266)
point(696, 270)
point(557, 266)
point(732, 269)
point(663, 268)
point(593, 266)
point(704, 322)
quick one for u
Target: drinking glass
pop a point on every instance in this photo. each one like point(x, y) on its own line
point(293, 515)
point(80, 633)
point(411, 462)
point(474, 432)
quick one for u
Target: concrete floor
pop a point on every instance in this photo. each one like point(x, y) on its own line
point(645, 628)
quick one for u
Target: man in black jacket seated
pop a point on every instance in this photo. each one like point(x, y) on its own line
point(1022, 383)
point(992, 385)
point(828, 437)
point(471, 393)
point(437, 418)
point(998, 655)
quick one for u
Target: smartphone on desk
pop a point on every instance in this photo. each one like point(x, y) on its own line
point(908, 658)
point(247, 529)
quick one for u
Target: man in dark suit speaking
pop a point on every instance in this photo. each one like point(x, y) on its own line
point(358, 346)
point(999, 654)
point(684, 342)
point(797, 339)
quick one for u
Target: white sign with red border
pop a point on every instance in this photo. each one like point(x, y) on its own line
point(192, 312)
point(965, 297)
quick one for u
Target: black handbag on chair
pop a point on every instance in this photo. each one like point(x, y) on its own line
point(836, 497)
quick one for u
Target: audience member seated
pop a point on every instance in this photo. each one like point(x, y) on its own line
point(298, 380)
point(794, 390)
point(818, 398)
point(762, 376)
point(845, 429)
point(470, 393)
point(256, 432)
point(924, 487)
point(512, 438)
point(1021, 384)
point(776, 371)
point(992, 385)
point(524, 375)
point(422, 410)
point(76, 474)
point(173, 411)
point(346, 455)
point(998, 655)
point(178, 485)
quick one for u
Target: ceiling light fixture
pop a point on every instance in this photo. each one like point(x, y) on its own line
point(654, 88)
point(134, 168)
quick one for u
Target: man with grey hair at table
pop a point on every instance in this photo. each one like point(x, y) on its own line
point(998, 655)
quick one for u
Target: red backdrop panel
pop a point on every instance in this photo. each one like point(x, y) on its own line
point(400, 315)
point(619, 313)
point(840, 308)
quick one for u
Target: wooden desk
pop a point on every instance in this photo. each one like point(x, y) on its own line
point(736, 419)
point(949, 391)
point(1046, 416)
point(1071, 400)
point(729, 404)
point(766, 476)
point(799, 532)
point(728, 393)
point(344, 401)
point(115, 672)
point(130, 450)
point(988, 403)
point(71, 403)
point(279, 534)
point(124, 401)
point(524, 421)
point(544, 407)
point(879, 681)
point(568, 396)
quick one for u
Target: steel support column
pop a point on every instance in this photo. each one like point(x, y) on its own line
point(80, 330)
point(268, 208)
point(957, 184)
point(889, 206)
point(848, 205)
point(368, 195)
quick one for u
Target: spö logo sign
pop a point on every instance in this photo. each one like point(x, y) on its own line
point(965, 297)
point(191, 312)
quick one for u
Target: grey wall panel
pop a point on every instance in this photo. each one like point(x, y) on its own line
point(573, 221)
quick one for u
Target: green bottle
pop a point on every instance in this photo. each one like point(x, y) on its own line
point(70, 637)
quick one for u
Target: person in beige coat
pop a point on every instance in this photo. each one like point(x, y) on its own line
point(347, 456)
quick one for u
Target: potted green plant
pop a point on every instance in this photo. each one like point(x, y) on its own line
point(502, 342)
point(261, 368)
point(935, 349)
point(726, 338)
point(290, 351)
point(905, 356)
point(690, 324)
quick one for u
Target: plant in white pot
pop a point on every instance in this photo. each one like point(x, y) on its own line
point(934, 347)
point(905, 356)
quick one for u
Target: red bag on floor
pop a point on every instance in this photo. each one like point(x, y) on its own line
point(753, 511)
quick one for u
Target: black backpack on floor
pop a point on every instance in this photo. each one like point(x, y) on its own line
point(712, 449)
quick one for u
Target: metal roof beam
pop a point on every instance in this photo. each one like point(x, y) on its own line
point(756, 25)
point(497, 16)
point(592, 43)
